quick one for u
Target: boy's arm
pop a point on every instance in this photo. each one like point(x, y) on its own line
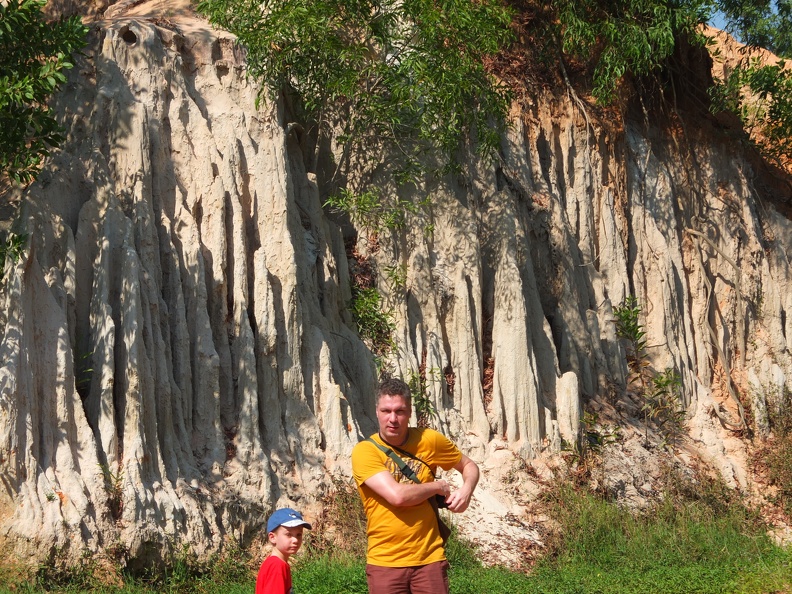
point(405, 494)
point(459, 500)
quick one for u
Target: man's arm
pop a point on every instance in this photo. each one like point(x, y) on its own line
point(459, 500)
point(406, 494)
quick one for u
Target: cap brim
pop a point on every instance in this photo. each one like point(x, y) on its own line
point(295, 523)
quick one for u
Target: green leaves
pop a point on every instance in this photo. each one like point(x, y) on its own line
point(761, 23)
point(33, 55)
point(761, 95)
point(628, 326)
point(12, 246)
point(408, 74)
point(367, 209)
point(375, 325)
point(617, 38)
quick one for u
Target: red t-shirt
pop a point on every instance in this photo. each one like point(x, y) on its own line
point(274, 577)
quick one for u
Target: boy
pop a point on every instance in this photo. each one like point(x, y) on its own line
point(285, 533)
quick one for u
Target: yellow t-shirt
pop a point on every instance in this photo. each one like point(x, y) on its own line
point(403, 536)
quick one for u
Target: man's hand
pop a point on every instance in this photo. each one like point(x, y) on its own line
point(459, 500)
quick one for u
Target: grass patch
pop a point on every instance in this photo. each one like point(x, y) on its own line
point(229, 573)
point(330, 575)
point(684, 545)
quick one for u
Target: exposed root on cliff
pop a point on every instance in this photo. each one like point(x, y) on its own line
point(714, 342)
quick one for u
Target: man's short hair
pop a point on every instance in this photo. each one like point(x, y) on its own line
point(394, 386)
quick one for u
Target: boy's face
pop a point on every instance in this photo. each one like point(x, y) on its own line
point(286, 540)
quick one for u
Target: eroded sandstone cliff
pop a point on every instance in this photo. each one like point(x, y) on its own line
point(179, 355)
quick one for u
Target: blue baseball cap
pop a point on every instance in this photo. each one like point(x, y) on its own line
point(286, 517)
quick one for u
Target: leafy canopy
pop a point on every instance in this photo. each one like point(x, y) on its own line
point(637, 38)
point(760, 93)
point(408, 72)
point(411, 74)
point(33, 55)
point(628, 37)
point(760, 23)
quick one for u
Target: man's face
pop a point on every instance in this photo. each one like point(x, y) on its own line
point(393, 415)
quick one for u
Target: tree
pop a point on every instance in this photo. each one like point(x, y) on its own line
point(760, 23)
point(636, 38)
point(33, 55)
point(409, 73)
point(631, 37)
point(758, 92)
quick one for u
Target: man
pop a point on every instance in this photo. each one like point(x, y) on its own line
point(405, 548)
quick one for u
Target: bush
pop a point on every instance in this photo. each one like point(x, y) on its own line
point(375, 325)
point(340, 530)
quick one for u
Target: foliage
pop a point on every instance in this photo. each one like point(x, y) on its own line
point(375, 325)
point(680, 546)
point(628, 326)
point(760, 94)
point(114, 488)
point(369, 210)
point(709, 494)
point(584, 455)
point(84, 575)
point(627, 318)
point(33, 55)
point(421, 399)
point(597, 436)
point(779, 463)
point(410, 73)
point(664, 407)
point(762, 97)
point(633, 37)
point(376, 213)
point(684, 545)
point(12, 248)
point(339, 533)
point(779, 455)
point(779, 411)
point(760, 23)
point(661, 391)
point(396, 276)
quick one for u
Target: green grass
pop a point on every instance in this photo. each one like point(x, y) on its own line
point(681, 546)
point(702, 545)
point(325, 574)
point(191, 586)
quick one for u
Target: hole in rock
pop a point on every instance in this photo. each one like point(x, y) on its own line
point(129, 37)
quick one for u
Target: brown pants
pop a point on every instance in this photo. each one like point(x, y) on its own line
point(423, 579)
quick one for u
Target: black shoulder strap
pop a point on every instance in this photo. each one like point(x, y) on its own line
point(405, 470)
point(416, 458)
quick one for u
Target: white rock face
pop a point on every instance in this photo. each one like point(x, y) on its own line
point(179, 357)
